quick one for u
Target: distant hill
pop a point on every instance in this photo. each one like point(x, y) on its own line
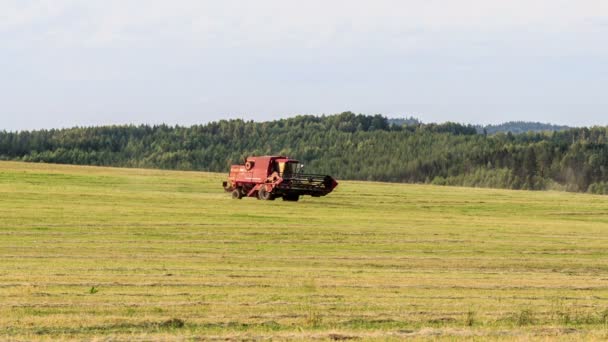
point(517, 127)
point(411, 121)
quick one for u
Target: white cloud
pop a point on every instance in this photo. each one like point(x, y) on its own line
point(264, 23)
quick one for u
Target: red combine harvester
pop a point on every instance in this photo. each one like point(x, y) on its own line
point(271, 177)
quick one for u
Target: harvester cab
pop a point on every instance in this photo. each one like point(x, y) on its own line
point(271, 177)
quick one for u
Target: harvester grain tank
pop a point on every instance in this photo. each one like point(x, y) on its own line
point(271, 177)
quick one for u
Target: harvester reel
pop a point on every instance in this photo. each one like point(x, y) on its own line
point(249, 165)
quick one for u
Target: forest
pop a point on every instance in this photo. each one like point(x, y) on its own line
point(347, 146)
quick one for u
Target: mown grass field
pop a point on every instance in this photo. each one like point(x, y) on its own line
point(125, 254)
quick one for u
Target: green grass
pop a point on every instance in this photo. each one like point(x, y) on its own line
point(143, 254)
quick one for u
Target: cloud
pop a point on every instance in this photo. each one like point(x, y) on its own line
point(275, 23)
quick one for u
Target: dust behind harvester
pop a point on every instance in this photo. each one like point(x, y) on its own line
point(271, 177)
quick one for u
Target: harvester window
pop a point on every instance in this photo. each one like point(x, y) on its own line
point(290, 168)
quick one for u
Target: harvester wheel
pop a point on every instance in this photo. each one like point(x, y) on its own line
point(236, 194)
point(265, 195)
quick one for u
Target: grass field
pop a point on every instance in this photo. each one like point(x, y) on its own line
point(130, 254)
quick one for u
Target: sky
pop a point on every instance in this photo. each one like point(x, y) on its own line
point(66, 63)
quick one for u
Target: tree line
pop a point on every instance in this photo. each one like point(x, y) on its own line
point(347, 145)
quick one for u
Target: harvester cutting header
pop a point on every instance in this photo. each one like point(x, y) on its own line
point(271, 177)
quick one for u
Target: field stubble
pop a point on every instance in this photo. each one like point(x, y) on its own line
point(143, 254)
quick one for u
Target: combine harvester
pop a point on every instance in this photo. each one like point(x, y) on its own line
point(271, 177)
